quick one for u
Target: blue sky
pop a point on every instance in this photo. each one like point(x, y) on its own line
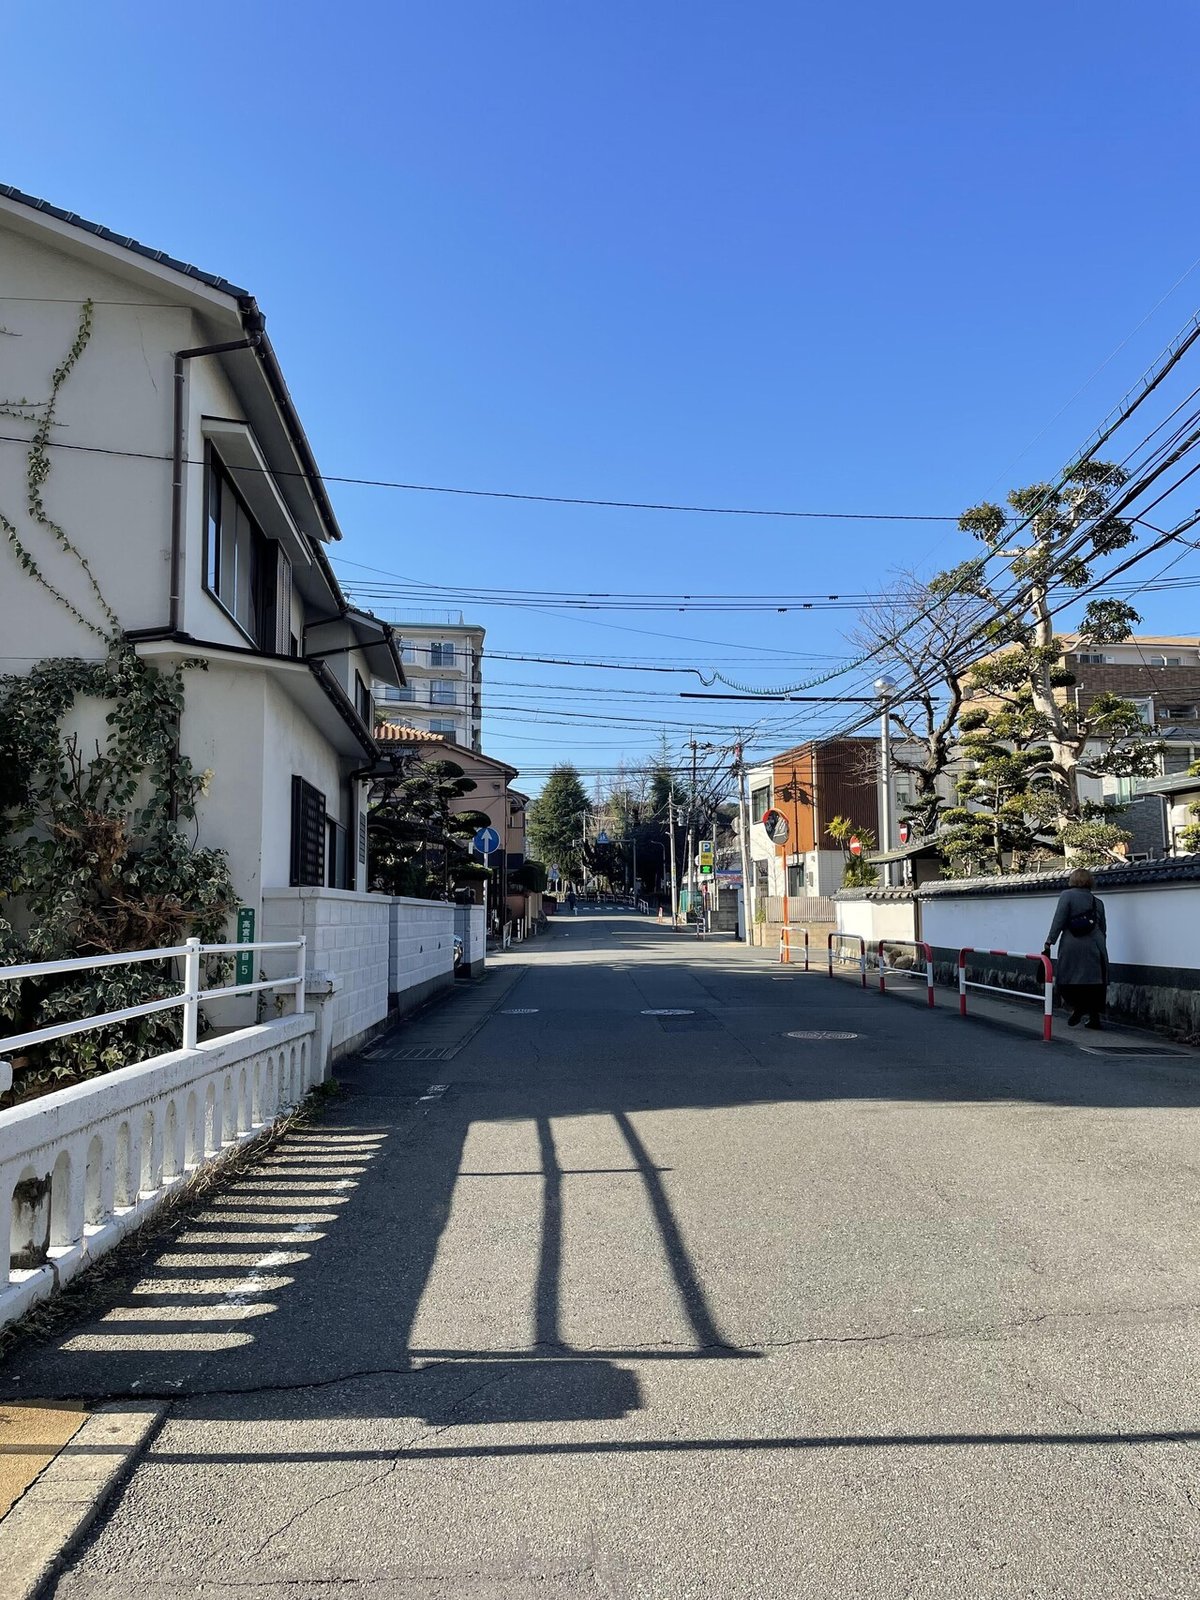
point(823, 258)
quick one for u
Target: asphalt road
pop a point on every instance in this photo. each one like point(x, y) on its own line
point(609, 1303)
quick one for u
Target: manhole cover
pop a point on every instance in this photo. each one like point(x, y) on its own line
point(662, 1011)
point(819, 1033)
point(520, 1011)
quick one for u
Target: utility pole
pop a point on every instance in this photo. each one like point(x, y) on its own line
point(885, 689)
point(671, 832)
point(744, 835)
point(691, 835)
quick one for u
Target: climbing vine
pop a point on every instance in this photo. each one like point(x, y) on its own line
point(98, 846)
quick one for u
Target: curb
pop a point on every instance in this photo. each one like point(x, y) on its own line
point(48, 1522)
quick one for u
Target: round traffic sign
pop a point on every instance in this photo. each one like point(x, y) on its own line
point(485, 841)
point(905, 833)
point(855, 845)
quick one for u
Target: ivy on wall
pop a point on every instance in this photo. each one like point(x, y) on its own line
point(98, 848)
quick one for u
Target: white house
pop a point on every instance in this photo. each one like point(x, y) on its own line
point(180, 470)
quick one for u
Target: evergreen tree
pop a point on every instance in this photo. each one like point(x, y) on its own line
point(1063, 529)
point(555, 821)
point(417, 845)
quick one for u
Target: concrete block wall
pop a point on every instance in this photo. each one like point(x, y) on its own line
point(348, 934)
point(421, 959)
point(471, 927)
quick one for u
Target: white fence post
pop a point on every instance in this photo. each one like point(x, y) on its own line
point(191, 991)
point(301, 964)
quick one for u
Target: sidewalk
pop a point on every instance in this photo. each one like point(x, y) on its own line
point(1116, 1038)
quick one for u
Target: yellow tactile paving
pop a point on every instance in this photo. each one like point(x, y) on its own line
point(30, 1438)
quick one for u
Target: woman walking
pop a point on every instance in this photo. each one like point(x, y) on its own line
point(1081, 929)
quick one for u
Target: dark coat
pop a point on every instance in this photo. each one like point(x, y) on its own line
point(1080, 960)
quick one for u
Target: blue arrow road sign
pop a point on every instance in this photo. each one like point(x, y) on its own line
point(486, 840)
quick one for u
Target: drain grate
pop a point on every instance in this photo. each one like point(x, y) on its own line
point(819, 1033)
point(420, 1052)
point(663, 1011)
point(1156, 1050)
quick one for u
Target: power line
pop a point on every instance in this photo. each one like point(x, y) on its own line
point(512, 494)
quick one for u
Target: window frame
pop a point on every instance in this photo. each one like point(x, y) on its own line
point(271, 567)
point(439, 698)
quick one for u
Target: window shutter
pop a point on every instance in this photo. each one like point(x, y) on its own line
point(308, 835)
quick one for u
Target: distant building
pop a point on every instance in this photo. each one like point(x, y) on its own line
point(809, 785)
point(443, 670)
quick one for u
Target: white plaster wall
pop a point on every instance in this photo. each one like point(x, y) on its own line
point(348, 934)
point(1155, 926)
point(422, 942)
point(877, 919)
point(115, 507)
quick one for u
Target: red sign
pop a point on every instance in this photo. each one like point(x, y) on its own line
point(905, 833)
point(855, 845)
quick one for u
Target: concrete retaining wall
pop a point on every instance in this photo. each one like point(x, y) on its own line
point(80, 1168)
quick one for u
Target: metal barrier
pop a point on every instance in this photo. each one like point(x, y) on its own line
point(908, 972)
point(785, 945)
point(964, 983)
point(859, 961)
point(189, 998)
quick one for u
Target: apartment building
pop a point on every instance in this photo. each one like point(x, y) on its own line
point(1159, 673)
point(443, 671)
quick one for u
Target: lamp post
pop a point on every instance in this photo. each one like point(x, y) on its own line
point(885, 689)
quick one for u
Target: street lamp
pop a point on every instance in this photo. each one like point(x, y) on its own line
point(885, 689)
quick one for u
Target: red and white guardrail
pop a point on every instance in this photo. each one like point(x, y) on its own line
point(885, 971)
point(859, 960)
point(1047, 966)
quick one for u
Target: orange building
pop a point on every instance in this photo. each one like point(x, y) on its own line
point(809, 785)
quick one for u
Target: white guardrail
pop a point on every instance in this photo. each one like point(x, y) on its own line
point(82, 1166)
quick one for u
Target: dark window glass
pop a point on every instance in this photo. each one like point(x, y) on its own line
point(362, 699)
point(247, 572)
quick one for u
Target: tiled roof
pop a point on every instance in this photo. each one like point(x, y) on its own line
point(401, 733)
point(1180, 869)
point(212, 279)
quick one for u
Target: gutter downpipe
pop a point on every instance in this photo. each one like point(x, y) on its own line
point(178, 431)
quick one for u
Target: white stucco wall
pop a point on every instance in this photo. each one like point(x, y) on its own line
point(117, 508)
point(1153, 926)
point(877, 919)
point(348, 934)
point(422, 944)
